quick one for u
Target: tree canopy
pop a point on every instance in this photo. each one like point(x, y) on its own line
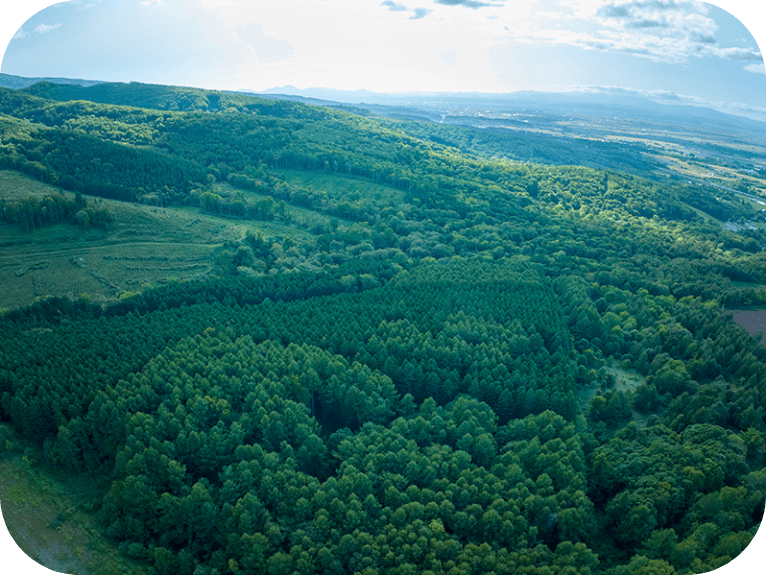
point(464, 365)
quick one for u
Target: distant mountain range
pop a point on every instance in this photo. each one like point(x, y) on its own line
point(459, 107)
point(559, 103)
point(20, 82)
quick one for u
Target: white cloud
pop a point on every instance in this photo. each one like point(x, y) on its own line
point(36, 31)
point(661, 30)
point(672, 31)
point(545, 45)
point(153, 3)
point(418, 13)
point(744, 54)
point(44, 28)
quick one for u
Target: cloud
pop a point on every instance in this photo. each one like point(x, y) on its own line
point(420, 13)
point(670, 31)
point(646, 23)
point(627, 8)
point(153, 3)
point(394, 7)
point(614, 11)
point(468, 3)
point(39, 29)
point(269, 50)
point(702, 38)
point(756, 68)
point(45, 28)
point(681, 18)
point(742, 54)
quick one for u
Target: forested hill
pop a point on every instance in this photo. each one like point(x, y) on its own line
point(520, 146)
point(416, 359)
point(248, 134)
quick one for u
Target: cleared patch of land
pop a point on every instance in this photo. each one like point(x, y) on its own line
point(144, 246)
point(624, 380)
point(705, 216)
point(338, 188)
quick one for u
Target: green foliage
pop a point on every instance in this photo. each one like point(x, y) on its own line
point(420, 382)
point(33, 213)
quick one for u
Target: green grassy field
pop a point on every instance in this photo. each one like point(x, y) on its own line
point(50, 514)
point(145, 245)
point(340, 188)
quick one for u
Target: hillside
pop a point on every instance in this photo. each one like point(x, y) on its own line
point(295, 339)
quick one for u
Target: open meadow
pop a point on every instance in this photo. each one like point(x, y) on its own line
point(143, 247)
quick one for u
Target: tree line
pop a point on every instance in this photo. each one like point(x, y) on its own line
point(32, 213)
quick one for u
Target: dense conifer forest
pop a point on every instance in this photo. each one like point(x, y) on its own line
point(476, 358)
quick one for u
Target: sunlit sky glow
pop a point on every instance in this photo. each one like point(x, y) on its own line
point(669, 49)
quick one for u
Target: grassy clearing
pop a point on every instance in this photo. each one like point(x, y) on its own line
point(331, 187)
point(654, 145)
point(705, 216)
point(683, 167)
point(50, 516)
point(625, 380)
point(344, 188)
point(16, 186)
point(144, 246)
point(300, 218)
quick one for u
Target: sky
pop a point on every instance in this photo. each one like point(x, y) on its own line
point(672, 50)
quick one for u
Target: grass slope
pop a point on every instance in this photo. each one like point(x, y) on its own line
point(50, 514)
point(144, 246)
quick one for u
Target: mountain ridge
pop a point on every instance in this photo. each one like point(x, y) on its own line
point(427, 102)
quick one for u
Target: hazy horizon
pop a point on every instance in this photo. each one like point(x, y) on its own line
point(678, 51)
